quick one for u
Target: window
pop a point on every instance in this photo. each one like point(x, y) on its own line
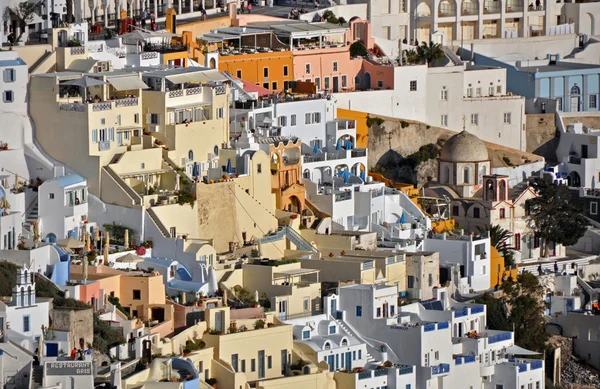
point(379, 84)
point(137, 294)
point(386, 8)
point(26, 323)
point(491, 91)
point(253, 365)
point(592, 101)
point(243, 365)
point(408, 386)
point(335, 66)
point(266, 72)
point(559, 103)
point(344, 81)
point(517, 241)
point(437, 355)
point(430, 280)
point(444, 94)
point(318, 82)
point(502, 213)
point(269, 362)
point(238, 73)
point(317, 117)
point(293, 120)
point(537, 385)
point(306, 334)
point(266, 85)
point(444, 120)
point(332, 330)
point(152, 118)
point(103, 121)
point(285, 71)
point(359, 310)
point(359, 354)
point(413, 85)
point(274, 85)
point(476, 213)
point(308, 118)
point(499, 89)
point(51, 196)
point(136, 118)
point(9, 75)
point(306, 304)
point(478, 92)
point(282, 121)
point(220, 113)
point(483, 273)
point(530, 386)
point(326, 83)
point(307, 68)
point(426, 359)
point(259, 167)
point(507, 117)
point(411, 282)
point(469, 92)
point(466, 178)
point(474, 119)
point(8, 96)
point(594, 208)
point(455, 210)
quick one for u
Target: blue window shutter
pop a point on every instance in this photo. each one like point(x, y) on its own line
point(94, 136)
point(112, 134)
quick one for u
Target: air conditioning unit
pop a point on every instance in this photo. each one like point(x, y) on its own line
point(153, 127)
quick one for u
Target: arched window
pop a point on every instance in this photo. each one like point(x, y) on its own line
point(212, 63)
point(466, 178)
point(446, 175)
point(216, 150)
point(575, 90)
point(22, 296)
point(344, 342)
point(490, 191)
point(502, 190)
point(191, 155)
point(30, 295)
point(326, 346)
point(306, 174)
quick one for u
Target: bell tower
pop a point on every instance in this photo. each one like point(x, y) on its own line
point(23, 294)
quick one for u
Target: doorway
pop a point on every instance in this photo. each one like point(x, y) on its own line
point(336, 84)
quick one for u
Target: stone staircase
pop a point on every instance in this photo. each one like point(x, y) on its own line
point(31, 215)
point(38, 377)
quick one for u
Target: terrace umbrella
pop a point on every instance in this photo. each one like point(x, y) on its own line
point(196, 170)
point(345, 174)
point(70, 243)
point(85, 269)
point(338, 145)
point(4, 204)
point(16, 181)
point(348, 144)
point(106, 247)
point(402, 218)
point(84, 83)
point(316, 148)
point(256, 296)
point(126, 239)
point(129, 258)
point(177, 185)
point(228, 169)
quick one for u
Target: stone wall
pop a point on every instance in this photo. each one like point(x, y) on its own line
point(78, 322)
point(541, 135)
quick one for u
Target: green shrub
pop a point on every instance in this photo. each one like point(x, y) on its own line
point(374, 120)
point(357, 49)
point(404, 123)
point(105, 336)
point(259, 324)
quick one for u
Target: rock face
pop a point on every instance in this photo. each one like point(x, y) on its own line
point(574, 374)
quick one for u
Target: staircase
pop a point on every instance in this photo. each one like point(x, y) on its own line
point(38, 377)
point(255, 200)
point(298, 240)
point(161, 227)
point(136, 199)
point(31, 215)
point(344, 327)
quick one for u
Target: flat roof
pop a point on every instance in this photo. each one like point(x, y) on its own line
point(308, 28)
point(296, 272)
point(559, 67)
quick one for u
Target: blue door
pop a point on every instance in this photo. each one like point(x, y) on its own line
point(333, 308)
point(348, 361)
point(330, 361)
point(52, 349)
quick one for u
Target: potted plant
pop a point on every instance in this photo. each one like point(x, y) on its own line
point(331, 255)
point(186, 352)
point(5, 147)
point(212, 382)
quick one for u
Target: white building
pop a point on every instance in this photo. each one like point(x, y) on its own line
point(472, 255)
point(567, 296)
point(448, 342)
point(22, 318)
point(578, 154)
point(63, 208)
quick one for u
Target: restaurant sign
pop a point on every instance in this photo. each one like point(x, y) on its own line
point(68, 368)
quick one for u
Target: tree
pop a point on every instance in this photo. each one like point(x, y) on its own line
point(556, 219)
point(70, 17)
point(411, 56)
point(357, 49)
point(520, 308)
point(427, 53)
point(24, 12)
point(499, 238)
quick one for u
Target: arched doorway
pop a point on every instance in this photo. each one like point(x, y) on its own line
point(575, 98)
point(367, 81)
point(212, 63)
point(573, 179)
point(51, 238)
point(295, 205)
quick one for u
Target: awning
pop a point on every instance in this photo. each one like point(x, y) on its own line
point(34, 19)
point(516, 350)
point(214, 76)
point(127, 83)
point(199, 77)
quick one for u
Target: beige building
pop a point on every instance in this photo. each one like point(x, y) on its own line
point(422, 273)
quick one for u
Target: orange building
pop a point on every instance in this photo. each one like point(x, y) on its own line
point(285, 176)
point(272, 70)
point(499, 272)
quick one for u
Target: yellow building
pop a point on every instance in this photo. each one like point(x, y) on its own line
point(286, 176)
point(252, 351)
point(499, 272)
point(362, 130)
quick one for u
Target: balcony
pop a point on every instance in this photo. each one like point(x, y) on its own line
point(443, 368)
point(356, 153)
point(574, 159)
point(343, 196)
point(103, 145)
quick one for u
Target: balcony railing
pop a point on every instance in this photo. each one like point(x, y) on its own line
point(176, 93)
point(441, 369)
point(443, 325)
point(380, 372)
point(574, 159)
point(429, 327)
point(359, 153)
point(364, 375)
point(536, 365)
point(405, 370)
point(220, 90)
point(343, 196)
point(193, 91)
point(478, 309)
point(469, 359)
point(79, 50)
point(149, 55)
point(461, 312)
point(75, 107)
point(105, 106)
point(128, 102)
point(499, 338)
point(104, 145)
point(522, 367)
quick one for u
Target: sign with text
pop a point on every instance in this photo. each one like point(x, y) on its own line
point(68, 368)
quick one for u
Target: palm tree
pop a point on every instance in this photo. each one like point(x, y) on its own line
point(411, 56)
point(427, 53)
point(499, 238)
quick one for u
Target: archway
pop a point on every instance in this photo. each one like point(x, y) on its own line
point(294, 205)
point(490, 191)
point(359, 170)
point(592, 24)
point(306, 174)
point(502, 190)
point(447, 8)
point(51, 238)
point(470, 7)
point(423, 9)
point(212, 63)
point(573, 179)
point(575, 98)
point(367, 81)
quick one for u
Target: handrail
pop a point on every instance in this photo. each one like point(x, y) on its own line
point(135, 197)
point(156, 220)
point(30, 206)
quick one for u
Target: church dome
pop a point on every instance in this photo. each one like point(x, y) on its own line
point(464, 147)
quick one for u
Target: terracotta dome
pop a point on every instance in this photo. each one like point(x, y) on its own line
point(464, 147)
